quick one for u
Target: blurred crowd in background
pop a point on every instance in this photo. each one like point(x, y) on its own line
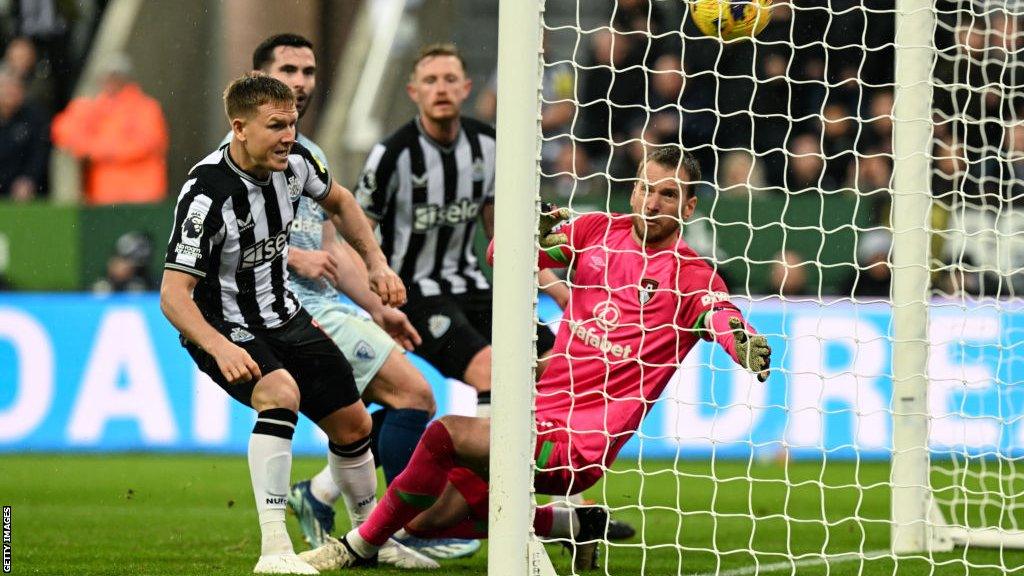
point(807, 109)
point(789, 113)
point(804, 110)
point(118, 133)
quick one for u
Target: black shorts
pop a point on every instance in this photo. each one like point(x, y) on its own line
point(454, 328)
point(299, 346)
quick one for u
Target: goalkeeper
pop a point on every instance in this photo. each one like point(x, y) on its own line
point(641, 300)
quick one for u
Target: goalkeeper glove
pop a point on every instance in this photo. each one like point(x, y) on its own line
point(550, 217)
point(752, 351)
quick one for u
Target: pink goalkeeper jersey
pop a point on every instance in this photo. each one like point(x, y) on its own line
point(629, 324)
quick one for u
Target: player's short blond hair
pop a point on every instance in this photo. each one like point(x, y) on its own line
point(434, 50)
point(244, 96)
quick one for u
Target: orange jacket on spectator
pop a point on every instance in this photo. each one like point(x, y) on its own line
point(123, 139)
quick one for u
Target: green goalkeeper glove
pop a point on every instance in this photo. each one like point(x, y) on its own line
point(752, 350)
point(550, 217)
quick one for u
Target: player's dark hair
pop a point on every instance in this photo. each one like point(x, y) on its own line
point(263, 55)
point(433, 50)
point(671, 157)
point(246, 94)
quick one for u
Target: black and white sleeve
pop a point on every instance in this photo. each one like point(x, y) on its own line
point(378, 182)
point(197, 224)
point(317, 182)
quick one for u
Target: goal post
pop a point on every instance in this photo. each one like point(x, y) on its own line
point(515, 290)
point(911, 215)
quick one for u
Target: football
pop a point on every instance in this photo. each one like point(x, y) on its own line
point(731, 19)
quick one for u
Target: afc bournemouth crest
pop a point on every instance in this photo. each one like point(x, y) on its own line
point(647, 288)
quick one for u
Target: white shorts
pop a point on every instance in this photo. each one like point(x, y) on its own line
point(365, 345)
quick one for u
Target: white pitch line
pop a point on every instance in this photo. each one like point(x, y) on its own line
point(790, 565)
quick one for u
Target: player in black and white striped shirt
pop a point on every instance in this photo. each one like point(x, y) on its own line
point(224, 289)
point(426, 186)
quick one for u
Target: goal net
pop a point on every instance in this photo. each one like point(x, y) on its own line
point(863, 173)
point(976, 367)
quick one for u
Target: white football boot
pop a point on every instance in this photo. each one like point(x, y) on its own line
point(395, 554)
point(283, 564)
point(336, 554)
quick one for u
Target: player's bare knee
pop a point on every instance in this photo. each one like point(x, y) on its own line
point(462, 429)
point(419, 396)
point(453, 422)
point(425, 401)
point(276, 390)
point(355, 430)
point(400, 385)
point(413, 399)
point(478, 372)
point(361, 426)
point(347, 425)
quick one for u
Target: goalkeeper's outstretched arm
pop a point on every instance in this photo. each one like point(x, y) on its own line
point(555, 251)
point(725, 325)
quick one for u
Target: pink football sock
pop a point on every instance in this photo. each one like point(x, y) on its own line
point(416, 488)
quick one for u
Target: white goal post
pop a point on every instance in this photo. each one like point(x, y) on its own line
point(515, 289)
point(892, 428)
point(911, 212)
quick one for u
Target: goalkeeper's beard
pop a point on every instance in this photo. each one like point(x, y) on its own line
point(654, 229)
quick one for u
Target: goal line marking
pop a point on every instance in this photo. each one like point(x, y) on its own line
point(777, 566)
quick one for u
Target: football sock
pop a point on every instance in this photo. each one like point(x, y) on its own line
point(361, 546)
point(323, 486)
point(399, 433)
point(564, 523)
point(415, 489)
point(483, 404)
point(353, 472)
point(270, 467)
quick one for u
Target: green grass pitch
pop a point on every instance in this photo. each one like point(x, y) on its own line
point(159, 514)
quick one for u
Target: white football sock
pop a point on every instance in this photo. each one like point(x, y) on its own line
point(362, 547)
point(354, 474)
point(564, 524)
point(270, 467)
point(323, 486)
point(483, 404)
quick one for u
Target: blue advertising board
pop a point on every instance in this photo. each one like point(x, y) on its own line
point(88, 373)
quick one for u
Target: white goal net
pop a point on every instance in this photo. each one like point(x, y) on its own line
point(977, 363)
point(808, 207)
